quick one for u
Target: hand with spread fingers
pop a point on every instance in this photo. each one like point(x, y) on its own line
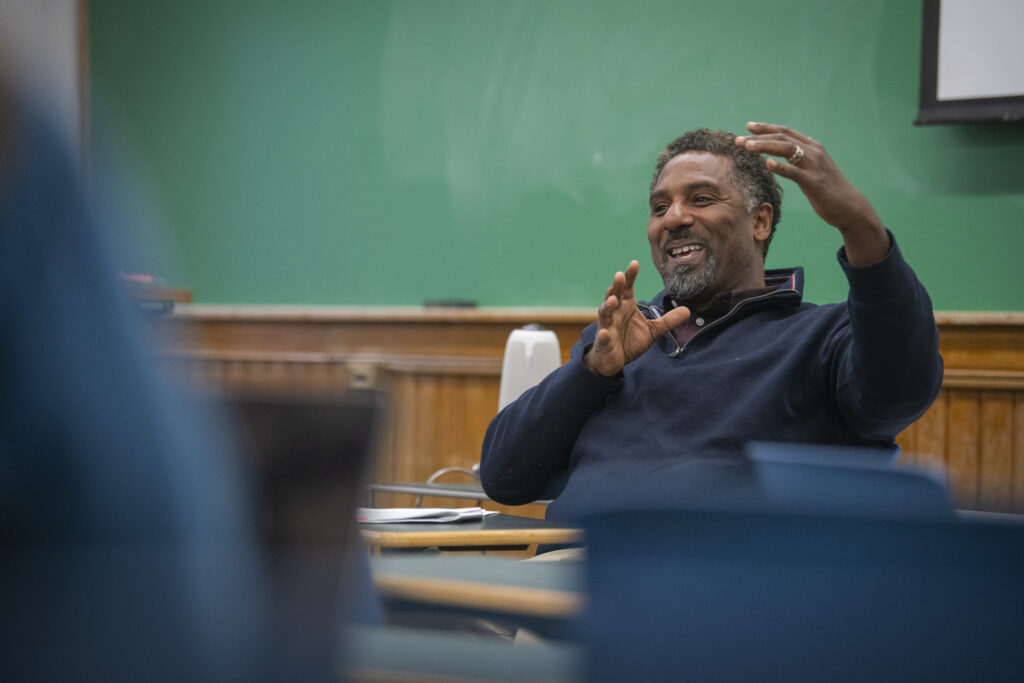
point(830, 193)
point(623, 333)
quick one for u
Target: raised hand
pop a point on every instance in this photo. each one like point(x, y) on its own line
point(830, 193)
point(623, 333)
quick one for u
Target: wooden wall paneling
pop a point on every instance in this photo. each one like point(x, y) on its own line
point(448, 415)
point(963, 437)
point(1018, 452)
point(995, 458)
point(383, 464)
point(423, 443)
point(457, 449)
point(446, 418)
point(907, 441)
point(402, 331)
point(924, 442)
point(402, 399)
point(442, 369)
point(406, 396)
point(415, 400)
point(982, 347)
point(482, 402)
point(439, 421)
point(245, 372)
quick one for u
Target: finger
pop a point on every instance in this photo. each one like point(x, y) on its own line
point(768, 136)
point(754, 143)
point(671, 320)
point(606, 312)
point(630, 277)
point(794, 173)
point(615, 288)
point(779, 148)
point(764, 128)
point(603, 338)
point(631, 272)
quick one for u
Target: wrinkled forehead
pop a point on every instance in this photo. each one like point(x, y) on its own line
point(696, 168)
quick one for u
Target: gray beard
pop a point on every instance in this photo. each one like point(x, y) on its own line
point(685, 283)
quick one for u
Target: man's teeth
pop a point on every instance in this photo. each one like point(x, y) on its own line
point(679, 251)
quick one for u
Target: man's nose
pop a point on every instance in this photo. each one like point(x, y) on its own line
point(677, 217)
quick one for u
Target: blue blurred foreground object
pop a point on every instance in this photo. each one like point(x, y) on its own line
point(823, 454)
point(127, 549)
point(845, 480)
point(403, 654)
point(714, 595)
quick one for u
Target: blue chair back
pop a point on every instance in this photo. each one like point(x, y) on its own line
point(808, 478)
point(704, 595)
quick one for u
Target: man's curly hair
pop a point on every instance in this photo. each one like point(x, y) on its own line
point(749, 171)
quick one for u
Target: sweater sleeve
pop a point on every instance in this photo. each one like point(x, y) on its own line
point(529, 443)
point(888, 370)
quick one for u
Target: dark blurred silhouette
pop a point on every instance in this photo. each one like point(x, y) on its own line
point(127, 549)
point(307, 453)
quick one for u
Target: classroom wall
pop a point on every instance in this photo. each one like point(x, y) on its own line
point(394, 151)
point(38, 46)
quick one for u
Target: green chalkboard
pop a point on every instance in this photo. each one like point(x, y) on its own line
point(392, 152)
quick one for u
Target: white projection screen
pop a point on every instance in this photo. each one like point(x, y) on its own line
point(972, 61)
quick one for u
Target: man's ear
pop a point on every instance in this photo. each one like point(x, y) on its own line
point(763, 222)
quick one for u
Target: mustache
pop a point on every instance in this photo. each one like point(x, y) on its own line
point(685, 236)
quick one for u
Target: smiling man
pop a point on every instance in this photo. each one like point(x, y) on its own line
point(660, 398)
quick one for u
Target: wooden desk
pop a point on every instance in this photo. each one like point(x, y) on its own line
point(150, 293)
point(493, 584)
point(506, 532)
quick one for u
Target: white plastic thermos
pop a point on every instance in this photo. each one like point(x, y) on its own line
point(531, 352)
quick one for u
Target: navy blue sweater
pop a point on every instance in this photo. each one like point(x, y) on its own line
point(774, 369)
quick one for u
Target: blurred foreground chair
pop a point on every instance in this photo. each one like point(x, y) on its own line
point(743, 595)
point(306, 454)
point(847, 481)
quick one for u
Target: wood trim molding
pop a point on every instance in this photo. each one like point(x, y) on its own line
point(980, 318)
point(955, 378)
point(414, 364)
point(497, 314)
point(1010, 380)
point(385, 314)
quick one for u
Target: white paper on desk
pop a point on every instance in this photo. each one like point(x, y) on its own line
point(435, 515)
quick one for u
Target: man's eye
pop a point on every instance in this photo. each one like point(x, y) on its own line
point(659, 209)
point(703, 199)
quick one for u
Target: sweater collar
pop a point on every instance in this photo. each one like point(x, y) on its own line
point(788, 284)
